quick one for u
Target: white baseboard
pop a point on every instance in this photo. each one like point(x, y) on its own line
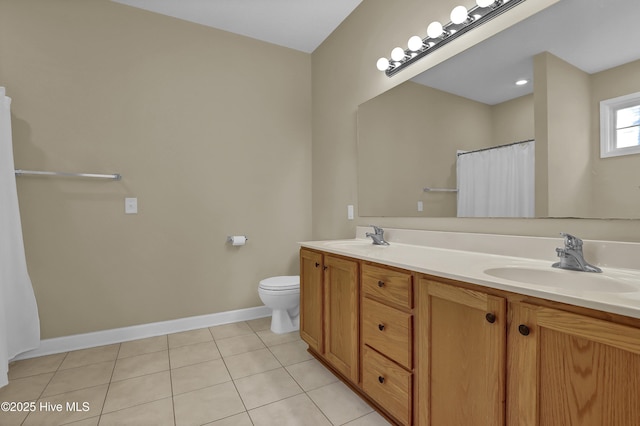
point(124, 334)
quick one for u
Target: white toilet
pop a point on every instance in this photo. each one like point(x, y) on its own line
point(282, 295)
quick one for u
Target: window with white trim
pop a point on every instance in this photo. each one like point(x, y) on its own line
point(620, 126)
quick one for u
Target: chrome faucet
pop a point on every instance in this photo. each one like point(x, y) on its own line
point(571, 256)
point(377, 236)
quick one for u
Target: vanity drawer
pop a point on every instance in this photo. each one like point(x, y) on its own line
point(388, 330)
point(387, 384)
point(388, 284)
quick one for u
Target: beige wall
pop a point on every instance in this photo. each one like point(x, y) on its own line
point(344, 76)
point(211, 131)
point(616, 189)
point(512, 121)
point(407, 140)
point(541, 100)
point(564, 122)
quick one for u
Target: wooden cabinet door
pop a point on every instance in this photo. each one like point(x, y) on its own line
point(341, 315)
point(568, 369)
point(311, 299)
point(461, 356)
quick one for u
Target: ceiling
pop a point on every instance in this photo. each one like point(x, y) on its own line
point(592, 35)
point(298, 24)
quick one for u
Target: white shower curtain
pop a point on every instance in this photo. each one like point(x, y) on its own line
point(497, 182)
point(19, 322)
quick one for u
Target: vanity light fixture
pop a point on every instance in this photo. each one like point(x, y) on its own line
point(462, 21)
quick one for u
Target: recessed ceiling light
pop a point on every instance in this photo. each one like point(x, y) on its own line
point(521, 82)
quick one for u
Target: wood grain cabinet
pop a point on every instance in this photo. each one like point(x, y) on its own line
point(448, 353)
point(311, 299)
point(486, 360)
point(329, 309)
point(387, 339)
point(341, 315)
point(570, 369)
point(461, 350)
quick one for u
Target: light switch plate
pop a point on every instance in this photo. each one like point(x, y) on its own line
point(131, 205)
point(350, 212)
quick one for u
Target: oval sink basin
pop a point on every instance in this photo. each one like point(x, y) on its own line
point(349, 243)
point(563, 279)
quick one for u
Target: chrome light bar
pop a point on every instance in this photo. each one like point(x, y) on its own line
point(440, 35)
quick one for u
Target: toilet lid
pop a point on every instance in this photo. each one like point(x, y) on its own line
point(290, 282)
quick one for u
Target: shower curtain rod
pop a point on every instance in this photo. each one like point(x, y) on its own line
point(495, 147)
point(114, 176)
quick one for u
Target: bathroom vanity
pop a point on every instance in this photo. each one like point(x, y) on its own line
point(433, 335)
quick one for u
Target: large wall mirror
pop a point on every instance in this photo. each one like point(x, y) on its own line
point(574, 54)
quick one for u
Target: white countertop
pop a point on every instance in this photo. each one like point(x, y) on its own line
point(616, 290)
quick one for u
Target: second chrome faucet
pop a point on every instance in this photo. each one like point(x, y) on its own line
point(377, 236)
point(571, 256)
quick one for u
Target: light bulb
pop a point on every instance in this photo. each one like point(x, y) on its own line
point(484, 3)
point(382, 64)
point(522, 82)
point(434, 30)
point(397, 54)
point(459, 14)
point(415, 43)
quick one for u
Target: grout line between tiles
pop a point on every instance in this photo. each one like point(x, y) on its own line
point(306, 393)
point(104, 401)
point(173, 401)
point(235, 387)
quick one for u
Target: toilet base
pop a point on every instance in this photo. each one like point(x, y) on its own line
point(282, 322)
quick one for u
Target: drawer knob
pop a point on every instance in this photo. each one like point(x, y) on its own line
point(380, 284)
point(380, 327)
point(317, 264)
point(381, 379)
point(524, 330)
point(491, 318)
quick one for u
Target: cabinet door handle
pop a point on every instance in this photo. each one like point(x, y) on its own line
point(381, 379)
point(317, 264)
point(324, 268)
point(524, 330)
point(380, 327)
point(490, 317)
point(380, 284)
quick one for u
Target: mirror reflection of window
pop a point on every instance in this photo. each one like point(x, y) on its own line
point(620, 126)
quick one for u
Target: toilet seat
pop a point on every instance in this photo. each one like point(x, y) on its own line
point(280, 283)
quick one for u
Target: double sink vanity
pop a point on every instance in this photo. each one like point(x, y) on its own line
point(443, 328)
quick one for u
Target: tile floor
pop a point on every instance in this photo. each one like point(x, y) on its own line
point(235, 374)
